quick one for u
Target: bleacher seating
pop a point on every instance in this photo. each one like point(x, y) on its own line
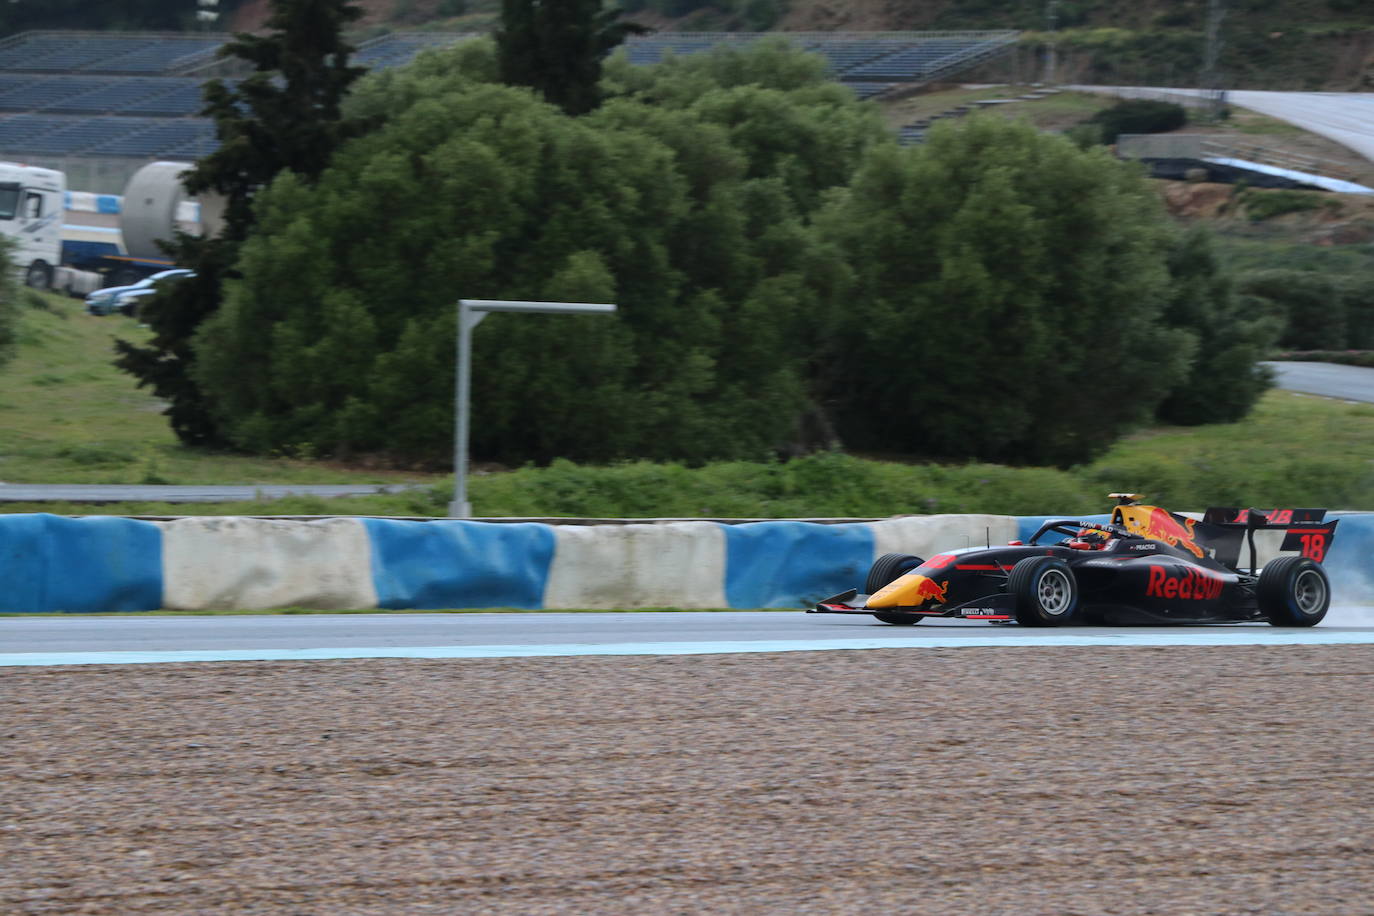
point(40, 93)
point(102, 52)
point(135, 95)
point(400, 48)
point(163, 56)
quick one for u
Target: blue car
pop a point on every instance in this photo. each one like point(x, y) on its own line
point(122, 298)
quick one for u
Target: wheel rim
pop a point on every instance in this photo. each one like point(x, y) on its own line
point(1309, 592)
point(1055, 592)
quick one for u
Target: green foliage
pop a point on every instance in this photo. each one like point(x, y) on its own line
point(1262, 205)
point(1312, 305)
point(9, 302)
point(1138, 116)
point(684, 199)
point(1005, 302)
point(1225, 379)
point(1266, 459)
point(827, 484)
point(1363, 358)
point(286, 116)
point(556, 48)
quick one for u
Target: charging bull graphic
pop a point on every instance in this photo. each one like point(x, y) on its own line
point(910, 591)
point(1160, 525)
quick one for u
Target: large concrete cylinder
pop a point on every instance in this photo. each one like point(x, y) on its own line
point(153, 198)
point(150, 207)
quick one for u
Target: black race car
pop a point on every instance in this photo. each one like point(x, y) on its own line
point(1146, 566)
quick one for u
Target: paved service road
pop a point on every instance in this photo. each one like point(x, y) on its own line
point(1345, 117)
point(1352, 383)
point(285, 632)
point(119, 493)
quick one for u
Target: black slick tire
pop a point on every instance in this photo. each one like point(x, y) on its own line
point(1044, 592)
point(887, 568)
point(38, 276)
point(1293, 592)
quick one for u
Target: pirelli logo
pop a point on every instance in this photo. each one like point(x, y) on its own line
point(1190, 585)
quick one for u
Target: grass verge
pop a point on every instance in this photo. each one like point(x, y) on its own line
point(67, 416)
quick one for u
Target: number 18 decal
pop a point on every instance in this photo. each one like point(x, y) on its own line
point(1314, 545)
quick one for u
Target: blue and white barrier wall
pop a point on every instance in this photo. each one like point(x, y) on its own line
point(52, 563)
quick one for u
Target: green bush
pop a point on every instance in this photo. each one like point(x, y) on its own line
point(1261, 205)
point(994, 259)
point(1138, 116)
point(1311, 305)
point(1341, 357)
point(685, 199)
point(1224, 380)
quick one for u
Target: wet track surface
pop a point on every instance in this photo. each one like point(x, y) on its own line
point(553, 631)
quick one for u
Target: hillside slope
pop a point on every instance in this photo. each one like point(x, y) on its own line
point(1300, 44)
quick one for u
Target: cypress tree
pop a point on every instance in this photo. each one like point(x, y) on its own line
point(285, 116)
point(556, 47)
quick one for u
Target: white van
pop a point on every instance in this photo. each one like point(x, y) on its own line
point(31, 211)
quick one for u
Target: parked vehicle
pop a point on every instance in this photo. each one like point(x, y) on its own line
point(76, 259)
point(124, 299)
point(31, 208)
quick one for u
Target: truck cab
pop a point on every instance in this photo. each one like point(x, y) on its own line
point(31, 213)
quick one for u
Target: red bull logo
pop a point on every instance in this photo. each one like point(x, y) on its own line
point(1187, 585)
point(927, 590)
point(1158, 525)
point(911, 590)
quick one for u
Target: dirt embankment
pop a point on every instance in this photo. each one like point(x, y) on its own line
point(996, 781)
point(1335, 219)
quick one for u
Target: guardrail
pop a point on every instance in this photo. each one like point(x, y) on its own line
point(104, 564)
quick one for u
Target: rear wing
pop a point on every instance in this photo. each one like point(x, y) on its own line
point(1308, 532)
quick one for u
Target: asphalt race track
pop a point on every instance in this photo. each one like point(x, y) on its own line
point(105, 640)
point(1350, 383)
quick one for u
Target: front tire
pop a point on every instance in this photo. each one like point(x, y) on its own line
point(1294, 592)
point(1044, 592)
point(886, 569)
point(38, 276)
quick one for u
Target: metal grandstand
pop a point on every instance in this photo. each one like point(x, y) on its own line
point(136, 95)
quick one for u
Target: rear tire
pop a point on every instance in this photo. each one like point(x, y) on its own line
point(1293, 592)
point(888, 568)
point(1044, 592)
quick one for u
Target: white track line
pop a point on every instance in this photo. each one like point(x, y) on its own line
point(1226, 637)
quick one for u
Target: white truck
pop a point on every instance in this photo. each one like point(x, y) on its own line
point(49, 255)
point(31, 212)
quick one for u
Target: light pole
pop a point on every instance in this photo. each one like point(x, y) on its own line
point(207, 13)
point(1051, 24)
point(470, 314)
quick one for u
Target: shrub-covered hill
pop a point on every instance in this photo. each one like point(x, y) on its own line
point(1300, 44)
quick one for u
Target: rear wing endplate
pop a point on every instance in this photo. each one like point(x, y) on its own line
point(1308, 531)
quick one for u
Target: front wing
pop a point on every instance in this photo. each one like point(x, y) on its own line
point(984, 607)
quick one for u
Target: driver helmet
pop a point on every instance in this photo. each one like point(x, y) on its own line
point(1089, 539)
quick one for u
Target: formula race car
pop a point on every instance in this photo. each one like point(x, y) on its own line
point(1145, 566)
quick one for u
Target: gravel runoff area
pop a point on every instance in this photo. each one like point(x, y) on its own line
point(989, 781)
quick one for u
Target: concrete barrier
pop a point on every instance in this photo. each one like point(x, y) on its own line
point(230, 563)
point(51, 563)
